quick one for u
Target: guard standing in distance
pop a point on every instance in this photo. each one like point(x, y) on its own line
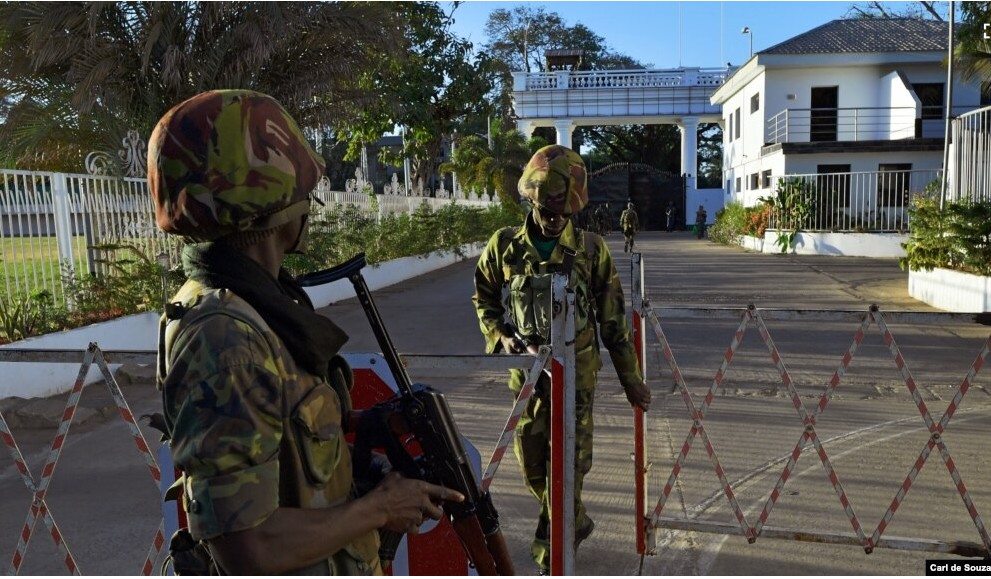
point(254, 394)
point(522, 260)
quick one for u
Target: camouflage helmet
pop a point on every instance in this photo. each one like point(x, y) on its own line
point(555, 180)
point(228, 161)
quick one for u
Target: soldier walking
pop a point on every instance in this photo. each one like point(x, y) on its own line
point(523, 259)
point(629, 222)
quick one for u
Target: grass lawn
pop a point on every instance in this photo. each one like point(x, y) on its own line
point(30, 264)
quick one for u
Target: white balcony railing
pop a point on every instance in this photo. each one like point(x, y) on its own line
point(619, 79)
point(842, 124)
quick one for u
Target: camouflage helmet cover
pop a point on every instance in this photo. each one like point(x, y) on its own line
point(229, 160)
point(555, 179)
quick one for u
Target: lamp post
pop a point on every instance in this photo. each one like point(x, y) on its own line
point(746, 30)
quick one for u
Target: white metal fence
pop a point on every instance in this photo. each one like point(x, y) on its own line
point(870, 201)
point(971, 176)
point(55, 224)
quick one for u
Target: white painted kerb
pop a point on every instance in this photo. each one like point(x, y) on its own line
point(949, 290)
point(139, 332)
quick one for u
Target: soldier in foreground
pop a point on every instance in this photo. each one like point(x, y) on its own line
point(522, 259)
point(254, 394)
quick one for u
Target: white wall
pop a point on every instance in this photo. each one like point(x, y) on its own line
point(900, 122)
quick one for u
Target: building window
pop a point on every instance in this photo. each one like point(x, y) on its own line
point(737, 123)
point(754, 180)
point(766, 179)
point(755, 103)
point(931, 96)
point(730, 132)
point(892, 184)
point(739, 182)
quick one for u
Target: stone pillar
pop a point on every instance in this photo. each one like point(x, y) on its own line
point(689, 127)
point(525, 128)
point(564, 128)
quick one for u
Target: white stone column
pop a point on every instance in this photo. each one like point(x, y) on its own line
point(689, 127)
point(564, 128)
point(525, 128)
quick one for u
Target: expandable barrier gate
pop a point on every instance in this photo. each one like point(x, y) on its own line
point(648, 521)
point(39, 486)
point(417, 555)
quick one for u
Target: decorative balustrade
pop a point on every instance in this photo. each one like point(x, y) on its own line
point(620, 79)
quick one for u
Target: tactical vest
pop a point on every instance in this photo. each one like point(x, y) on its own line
point(529, 301)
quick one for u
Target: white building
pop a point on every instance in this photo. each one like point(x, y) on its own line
point(857, 105)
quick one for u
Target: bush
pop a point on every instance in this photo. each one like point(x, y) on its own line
point(341, 232)
point(734, 220)
point(956, 237)
point(132, 283)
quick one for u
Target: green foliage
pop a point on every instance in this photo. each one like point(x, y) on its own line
point(973, 50)
point(495, 169)
point(957, 237)
point(131, 283)
point(791, 207)
point(734, 220)
point(25, 316)
point(342, 231)
point(432, 90)
point(77, 74)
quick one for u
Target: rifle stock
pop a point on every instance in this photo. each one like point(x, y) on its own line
point(442, 459)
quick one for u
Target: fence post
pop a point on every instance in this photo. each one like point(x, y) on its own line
point(62, 215)
point(562, 426)
point(641, 518)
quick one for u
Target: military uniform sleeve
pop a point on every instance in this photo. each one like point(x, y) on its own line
point(489, 280)
point(610, 313)
point(223, 395)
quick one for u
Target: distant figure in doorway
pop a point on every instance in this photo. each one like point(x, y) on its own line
point(669, 213)
point(629, 222)
point(700, 219)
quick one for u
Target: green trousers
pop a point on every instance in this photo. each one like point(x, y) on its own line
point(532, 444)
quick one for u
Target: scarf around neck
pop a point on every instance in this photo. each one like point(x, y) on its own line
point(312, 340)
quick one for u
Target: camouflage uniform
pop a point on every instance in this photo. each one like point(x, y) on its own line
point(511, 260)
point(252, 429)
point(629, 222)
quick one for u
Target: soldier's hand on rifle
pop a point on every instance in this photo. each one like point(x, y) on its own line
point(510, 344)
point(408, 502)
point(639, 395)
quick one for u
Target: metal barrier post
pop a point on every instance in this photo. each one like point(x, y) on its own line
point(640, 466)
point(562, 483)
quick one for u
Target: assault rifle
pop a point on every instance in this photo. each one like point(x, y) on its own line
point(434, 454)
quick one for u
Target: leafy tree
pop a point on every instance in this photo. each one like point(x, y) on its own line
point(919, 9)
point(710, 156)
point(519, 39)
point(973, 50)
point(657, 145)
point(80, 73)
point(431, 91)
point(496, 168)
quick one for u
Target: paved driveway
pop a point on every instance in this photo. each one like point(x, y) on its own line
point(871, 431)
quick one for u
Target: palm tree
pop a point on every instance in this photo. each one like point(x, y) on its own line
point(973, 49)
point(74, 67)
point(496, 168)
